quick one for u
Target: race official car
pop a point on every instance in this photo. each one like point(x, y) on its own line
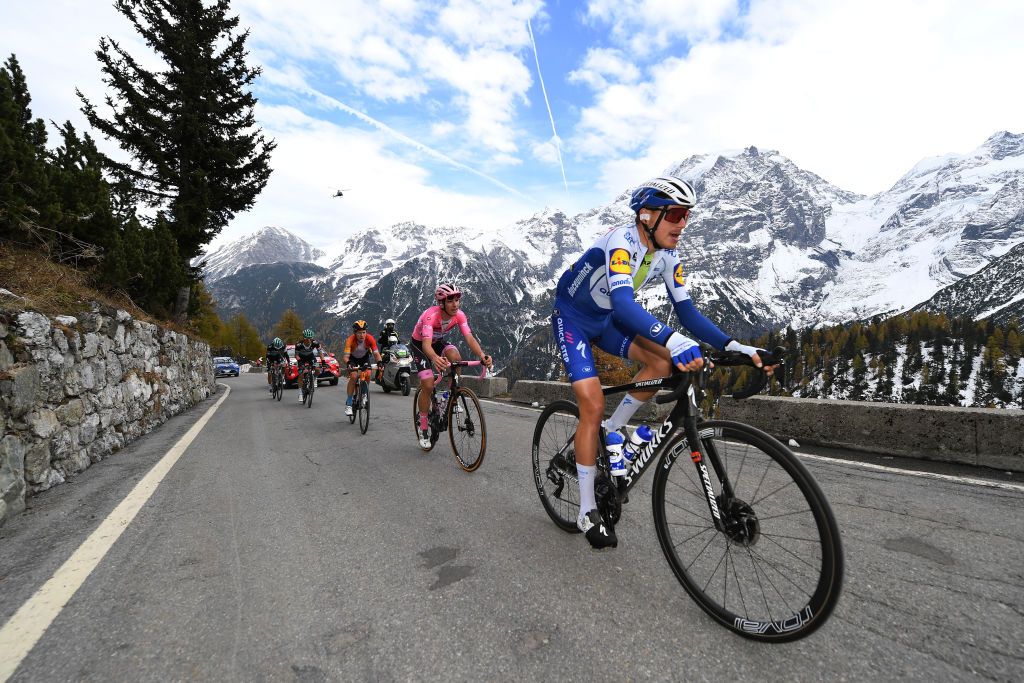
point(225, 367)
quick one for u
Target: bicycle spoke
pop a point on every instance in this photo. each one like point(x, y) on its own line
point(690, 538)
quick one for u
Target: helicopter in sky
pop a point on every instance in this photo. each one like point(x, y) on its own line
point(340, 193)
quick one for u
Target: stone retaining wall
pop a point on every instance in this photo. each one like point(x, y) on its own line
point(989, 437)
point(74, 390)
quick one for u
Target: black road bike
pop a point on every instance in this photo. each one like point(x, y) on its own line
point(277, 381)
point(461, 415)
point(361, 399)
point(308, 383)
point(744, 526)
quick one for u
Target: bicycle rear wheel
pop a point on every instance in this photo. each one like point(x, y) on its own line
point(416, 421)
point(554, 463)
point(776, 571)
point(467, 430)
point(363, 403)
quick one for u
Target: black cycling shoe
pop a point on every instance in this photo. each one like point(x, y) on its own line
point(600, 534)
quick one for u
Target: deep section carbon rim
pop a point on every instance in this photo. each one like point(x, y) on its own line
point(364, 406)
point(467, 430)
point(554, 463)
point(775, 573)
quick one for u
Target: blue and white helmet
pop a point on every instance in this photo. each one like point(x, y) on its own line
point(663, 191)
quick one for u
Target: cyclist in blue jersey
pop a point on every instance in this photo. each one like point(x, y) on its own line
point(594, 304)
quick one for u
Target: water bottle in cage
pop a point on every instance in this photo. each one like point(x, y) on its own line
point(640, 438)
point(442, 402)
point(614, 442)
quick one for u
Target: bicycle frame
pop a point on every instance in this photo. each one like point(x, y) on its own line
point(685, 413)
point(453, 386)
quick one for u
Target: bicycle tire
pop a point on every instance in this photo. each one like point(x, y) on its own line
point(777, 516)
point(363, 406)
point(279, 391)
point(556, 481)
point(416, 421)
point(311, 386)
point(467, 429)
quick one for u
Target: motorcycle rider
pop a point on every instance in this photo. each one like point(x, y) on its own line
point(384, 342)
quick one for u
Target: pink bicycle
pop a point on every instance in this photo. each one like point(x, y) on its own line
point(458, 411)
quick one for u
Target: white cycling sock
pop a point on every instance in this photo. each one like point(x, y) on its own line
point(622, 415)
point(586, 474)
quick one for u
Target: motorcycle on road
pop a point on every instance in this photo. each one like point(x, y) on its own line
point(397, 368)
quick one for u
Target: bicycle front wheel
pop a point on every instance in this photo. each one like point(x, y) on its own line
point(554, 463)
point(363, 406)
point(775, 572)
point(467, 430)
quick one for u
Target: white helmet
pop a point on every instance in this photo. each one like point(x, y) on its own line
point(663, 191)
point(389, 321)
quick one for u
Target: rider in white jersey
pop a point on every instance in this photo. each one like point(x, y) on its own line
point(595, 303)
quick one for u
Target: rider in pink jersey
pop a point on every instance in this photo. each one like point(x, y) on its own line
point(432, 350)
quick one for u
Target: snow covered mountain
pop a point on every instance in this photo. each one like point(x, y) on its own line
point(268, 245)
point(996, 292)
point(945, 219)
point(770, 245)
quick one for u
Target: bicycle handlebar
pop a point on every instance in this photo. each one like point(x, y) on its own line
point(466, 364)
point(733, 358)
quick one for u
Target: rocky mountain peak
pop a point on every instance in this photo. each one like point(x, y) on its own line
point(270, 244)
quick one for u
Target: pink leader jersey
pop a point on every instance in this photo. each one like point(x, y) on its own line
point(430, 326)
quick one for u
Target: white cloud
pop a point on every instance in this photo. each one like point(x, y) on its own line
point(603, 67)
point(493, 24)
point(314, 157)
point(546, 151)
point(856, 92)
point(650, 25)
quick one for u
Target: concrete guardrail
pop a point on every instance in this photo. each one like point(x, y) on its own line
point(988, 437)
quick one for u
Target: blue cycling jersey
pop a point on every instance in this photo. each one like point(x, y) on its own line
point(601, 286)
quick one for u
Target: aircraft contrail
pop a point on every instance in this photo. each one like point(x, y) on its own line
point(338, 104)
point(558, 145)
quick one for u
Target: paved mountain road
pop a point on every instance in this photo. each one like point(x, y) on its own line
point(285, 545)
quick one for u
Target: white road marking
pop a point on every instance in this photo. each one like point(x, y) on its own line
point(856, 463)
point(914, 473)
point(20, 634)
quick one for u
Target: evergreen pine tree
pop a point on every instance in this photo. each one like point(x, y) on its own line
point(289, 327)
point(26, 200)
point(190, 129)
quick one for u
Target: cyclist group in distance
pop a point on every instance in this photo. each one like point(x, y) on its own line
point(430, 345)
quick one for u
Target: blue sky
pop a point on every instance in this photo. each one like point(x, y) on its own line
point(433, 111)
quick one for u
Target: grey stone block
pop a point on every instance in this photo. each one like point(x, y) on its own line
point(22, 388)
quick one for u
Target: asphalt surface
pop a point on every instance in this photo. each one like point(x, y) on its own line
point(285, 545)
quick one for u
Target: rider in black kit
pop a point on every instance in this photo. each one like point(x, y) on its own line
point(275, 353)
point(306, 352)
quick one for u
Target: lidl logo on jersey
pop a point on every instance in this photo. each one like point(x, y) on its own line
point(678, 275)
point(619, 261)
